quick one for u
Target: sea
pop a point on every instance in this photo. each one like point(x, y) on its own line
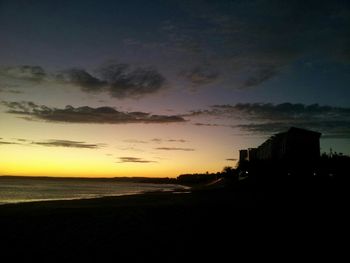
point(29, 189)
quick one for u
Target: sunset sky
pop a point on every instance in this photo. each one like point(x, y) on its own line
point(161, 88)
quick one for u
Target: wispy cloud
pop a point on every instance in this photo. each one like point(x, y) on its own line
point(134, 160)
point(159, 140)
point(6, 142)
point(207, 124)
point(11, 91)
point(25, 72)
point(174, 149)
point(134, 141)
point(54, 143)
point(21, 140)
point(200, 75)
point(68, 144)
point(32, 111)
point(177, 140)
point(260, 75)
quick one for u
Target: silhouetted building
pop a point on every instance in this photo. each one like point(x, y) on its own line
point(243, 155)
point(252, 154)
point(296, 145)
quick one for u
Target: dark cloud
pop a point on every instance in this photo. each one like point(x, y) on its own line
point(123, 82)
point(83, 79)
point(198, 76)
point(119, 80)
point(174, 149)
point(231, 159)
point(54, 143)
point(86, 114)
point(68, 143)
point(269, 111)
point(31, 73)
point(5, 142)
point(329, 128)
point(259, 76)
point(17, 141)
point(134, 160)
point(267, 118)
point(155, 140)
point(207, 124)
point(16, 107)
point(21, 140)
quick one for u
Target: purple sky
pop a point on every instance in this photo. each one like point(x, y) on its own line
point(205, 78)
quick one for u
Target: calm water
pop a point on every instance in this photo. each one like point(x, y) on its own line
point(16, 190)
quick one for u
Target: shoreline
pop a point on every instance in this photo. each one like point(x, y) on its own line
point(146, 192)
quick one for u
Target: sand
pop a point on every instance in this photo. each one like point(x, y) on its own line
point(169, 227)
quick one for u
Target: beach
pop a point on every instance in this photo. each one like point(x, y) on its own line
point(161, 226)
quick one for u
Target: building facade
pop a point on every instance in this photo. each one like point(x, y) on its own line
point(294, 145)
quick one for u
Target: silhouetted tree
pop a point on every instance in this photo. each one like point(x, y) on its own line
point(228, 170)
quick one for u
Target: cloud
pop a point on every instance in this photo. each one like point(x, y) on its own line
point(86, 114)
point(251, 42)
point(54, 143)
point(158, 140)
point(21, 140)
point(269, 111)
point(134, 141)
point(177, 140)
point(67, 143)
point(119, 80)
point(125, 82)
point(329, 128)
point(267, 118)
point(200, 75)
point(259, 76)
point(6, 142)
point(134, 160)
point(207, 124)
point(83, 79)
point(231, 159)
point(11, 91)
point(26, 72)
point(174, 149)
point(14, 91)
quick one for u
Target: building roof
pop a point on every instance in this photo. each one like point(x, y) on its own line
point(300, 130)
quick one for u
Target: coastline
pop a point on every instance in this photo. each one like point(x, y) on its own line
point(37, 189)
point(145, 192)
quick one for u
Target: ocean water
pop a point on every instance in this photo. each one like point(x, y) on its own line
point(21, 189)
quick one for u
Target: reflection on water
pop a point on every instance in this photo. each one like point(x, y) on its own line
point(19, 189)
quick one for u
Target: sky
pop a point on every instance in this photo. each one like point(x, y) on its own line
point(162, 88)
